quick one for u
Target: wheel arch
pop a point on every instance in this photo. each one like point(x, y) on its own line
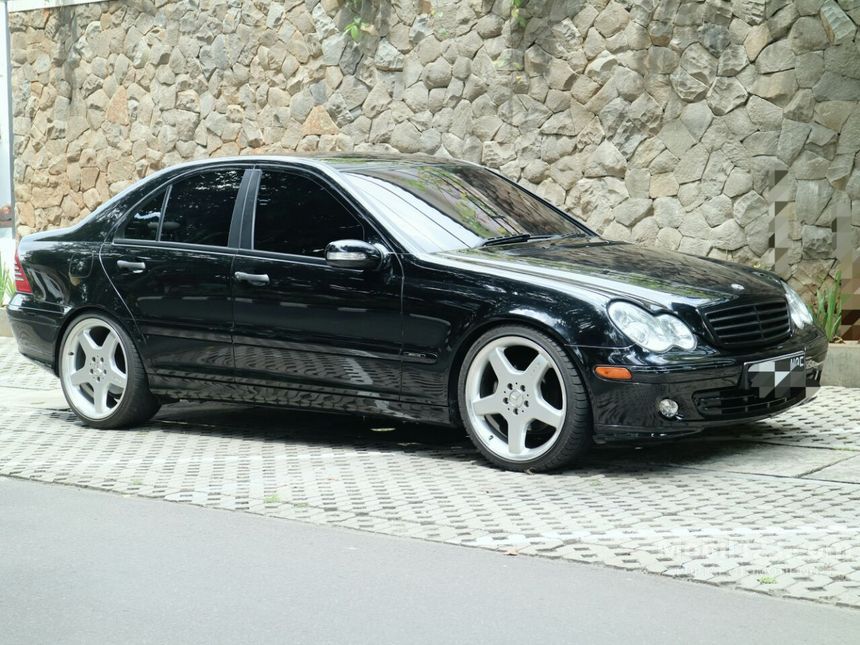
point(529, 319)
point(78, 313)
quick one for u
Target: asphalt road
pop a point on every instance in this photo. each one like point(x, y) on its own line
point(80, 566)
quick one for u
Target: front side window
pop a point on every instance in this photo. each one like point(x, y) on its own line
point(199, 209)
point(443, 207)
point(297, 215)
point(144, 221)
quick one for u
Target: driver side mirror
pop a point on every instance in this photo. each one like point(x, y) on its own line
point(352, 254)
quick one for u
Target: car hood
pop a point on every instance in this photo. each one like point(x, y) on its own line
point(655, 278)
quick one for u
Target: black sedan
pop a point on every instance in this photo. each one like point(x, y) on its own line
point(415, 288)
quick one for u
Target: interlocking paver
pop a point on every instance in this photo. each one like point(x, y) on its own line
point(847, 470)
point(773, 506)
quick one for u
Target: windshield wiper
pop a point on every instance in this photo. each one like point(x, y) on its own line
point(513, 239)
point(506, 239)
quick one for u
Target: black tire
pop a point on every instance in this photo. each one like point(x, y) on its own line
point(576, 435)
point(138, 404)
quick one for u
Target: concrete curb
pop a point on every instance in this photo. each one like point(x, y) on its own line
point(5, 329)
point(842, 366)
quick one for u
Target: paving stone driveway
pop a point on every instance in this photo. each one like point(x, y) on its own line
point(772, 507)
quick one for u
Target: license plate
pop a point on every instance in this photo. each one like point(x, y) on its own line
point(777, 376)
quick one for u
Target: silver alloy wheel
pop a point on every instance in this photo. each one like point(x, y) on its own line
point(93, 368)
point(507, 403)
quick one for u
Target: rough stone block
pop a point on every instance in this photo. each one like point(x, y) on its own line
point(692, 164)
point(728, 236)
point(664, 185)
point(606, 160)
point(612, 20)
point(817, 242)
point(686, 86)
point(725, 95)
point(752, 12)
point(764, 114)
point(632, 211)
point(776, 57)
point(676, 137)
point(812, 197)
point(840, 170)
point(668, 212)
point(808, 69)
point(756, 39)
point(801, 107)
point(807, 34)
point(809, 165)
point(738, 182)
point(717, 210)
point(779, 86)
point(762, 143)
point(732, 60)
point(668, 238)
point(791, 139)
point(836, 87)
point(838, 26)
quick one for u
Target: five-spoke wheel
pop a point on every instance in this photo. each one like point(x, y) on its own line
point(101, 374)
point(94, 368)
point(522, 401)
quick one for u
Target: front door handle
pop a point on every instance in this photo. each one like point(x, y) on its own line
point(256, 279)
point(134, 267)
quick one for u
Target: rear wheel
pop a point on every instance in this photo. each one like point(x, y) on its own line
point(102, 375)
point(523, 402)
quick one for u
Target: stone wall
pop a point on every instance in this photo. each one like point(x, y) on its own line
point(659, 122)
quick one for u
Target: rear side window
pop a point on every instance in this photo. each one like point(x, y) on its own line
point(143, 224)
point(199, 208)
point(298, 215)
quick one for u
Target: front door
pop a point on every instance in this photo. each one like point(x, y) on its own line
point(306, 333)
point(171, 263)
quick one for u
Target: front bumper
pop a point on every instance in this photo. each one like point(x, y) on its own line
point(709, 388)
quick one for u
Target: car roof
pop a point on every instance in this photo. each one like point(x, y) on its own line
point(349, 160)
point(339, 161)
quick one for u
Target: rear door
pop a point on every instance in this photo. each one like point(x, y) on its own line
point(171, 263)
point(308, 333)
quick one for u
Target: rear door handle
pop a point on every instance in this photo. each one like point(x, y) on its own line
point(134, 267)
point(257, 279)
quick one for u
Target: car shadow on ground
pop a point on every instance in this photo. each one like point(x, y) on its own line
point(439, 442)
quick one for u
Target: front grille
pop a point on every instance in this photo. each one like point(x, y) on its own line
point(759, 323)
point(735, 403)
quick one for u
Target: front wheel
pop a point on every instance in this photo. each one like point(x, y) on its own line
point(523, 402)
point(102, 375)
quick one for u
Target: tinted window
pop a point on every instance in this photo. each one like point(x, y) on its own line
point(452, 206)
point(199, 208)
point(297, 215)
point(143, 224)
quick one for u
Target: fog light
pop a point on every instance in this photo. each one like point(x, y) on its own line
point(668, 408)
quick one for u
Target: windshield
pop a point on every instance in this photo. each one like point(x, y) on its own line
point(445, 207)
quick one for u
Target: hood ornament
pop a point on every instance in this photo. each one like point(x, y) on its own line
point(737, 287)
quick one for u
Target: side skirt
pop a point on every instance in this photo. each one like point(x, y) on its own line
point(197, 389)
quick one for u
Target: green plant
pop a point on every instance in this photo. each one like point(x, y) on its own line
point(517, 13)
point(827, 311)
point(357, 25)
point(7, 283)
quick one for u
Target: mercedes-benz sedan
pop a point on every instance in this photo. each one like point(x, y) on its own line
point(421, 289)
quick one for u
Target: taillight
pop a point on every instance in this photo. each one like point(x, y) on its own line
point(22, 285)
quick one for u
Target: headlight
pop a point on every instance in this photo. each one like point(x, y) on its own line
point(654, 333)
point(800, 314)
